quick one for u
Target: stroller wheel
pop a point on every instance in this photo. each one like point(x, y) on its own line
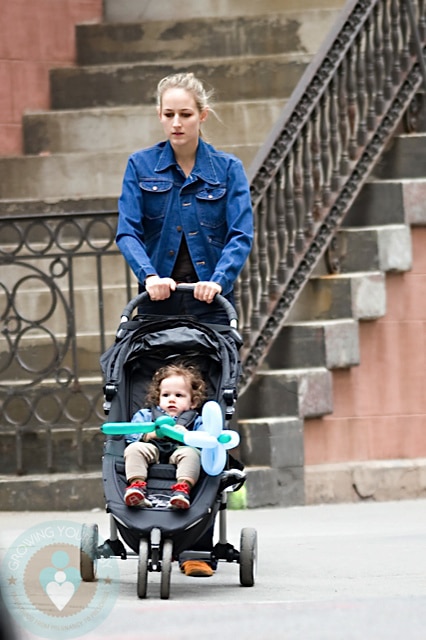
point(166, 569)
point(248, 556)
point(143, 567)
point(89, 552)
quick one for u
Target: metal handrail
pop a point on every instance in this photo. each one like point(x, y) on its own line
point(319, 154)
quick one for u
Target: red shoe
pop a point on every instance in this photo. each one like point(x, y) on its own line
point(135, 495)
point(180, 498)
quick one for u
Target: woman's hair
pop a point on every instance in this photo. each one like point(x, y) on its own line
point(188, 82)
point(190, 373)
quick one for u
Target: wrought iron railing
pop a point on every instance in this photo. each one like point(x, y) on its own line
point(321, 151)
point(63, 286)
point(61, 277)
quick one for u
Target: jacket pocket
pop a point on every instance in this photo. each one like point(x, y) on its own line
point(211, 207)
point(156, 195)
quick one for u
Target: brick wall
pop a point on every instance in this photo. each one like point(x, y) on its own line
point(35, 36)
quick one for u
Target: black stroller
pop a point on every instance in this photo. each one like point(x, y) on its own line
point(158, 535)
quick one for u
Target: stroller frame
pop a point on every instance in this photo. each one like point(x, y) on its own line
point(157, 536)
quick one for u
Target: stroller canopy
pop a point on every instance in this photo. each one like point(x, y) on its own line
point(148, 342)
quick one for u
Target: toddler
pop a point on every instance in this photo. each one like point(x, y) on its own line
point(178, 391)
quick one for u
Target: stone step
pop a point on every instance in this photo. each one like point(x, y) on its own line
point(365, 480)
point(360, 296)
point(62, 175)
point(384, 202)
point(404, 158)
point(304, 392)
point(62, 445)
point(40, 350)
point(322, 484)
point(52, 492)
point(147, 10)
point(71, 437)
point(83, 491)
point(52, 304)
point(247, 78)
point(69, 176)
point(385, 248)
point(272, 442)
point(276, 443)
point(196, 38)
point(46, 206)
point(262, 487)
point(333, 344)
point(124, 128)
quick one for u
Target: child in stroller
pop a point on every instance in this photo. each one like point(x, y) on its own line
point(178, 391)
point(159, 535)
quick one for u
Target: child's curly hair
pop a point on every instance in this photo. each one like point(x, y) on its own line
point(190, 373)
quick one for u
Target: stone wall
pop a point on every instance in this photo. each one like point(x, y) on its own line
point(35, 36)
point(380, 406)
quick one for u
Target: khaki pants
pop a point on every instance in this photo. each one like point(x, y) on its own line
point(139, 455)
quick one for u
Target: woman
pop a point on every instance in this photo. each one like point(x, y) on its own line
point(185, 212)
point(185, 215)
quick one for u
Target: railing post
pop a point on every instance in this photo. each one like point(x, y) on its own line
point(418, 44)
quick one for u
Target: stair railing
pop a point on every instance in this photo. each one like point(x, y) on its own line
point(322, 149)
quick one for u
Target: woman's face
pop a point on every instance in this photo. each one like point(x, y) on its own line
point(181, 118)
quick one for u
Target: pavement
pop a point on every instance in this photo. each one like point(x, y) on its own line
point(325, 572)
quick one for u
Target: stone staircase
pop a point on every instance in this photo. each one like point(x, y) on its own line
point(322, 335)
point(104, 108)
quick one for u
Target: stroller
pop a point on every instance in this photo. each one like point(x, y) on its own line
point(159, 535)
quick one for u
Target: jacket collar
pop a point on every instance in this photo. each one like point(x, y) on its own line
point(203, 167)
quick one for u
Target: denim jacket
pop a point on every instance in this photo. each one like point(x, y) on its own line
point(211, 207)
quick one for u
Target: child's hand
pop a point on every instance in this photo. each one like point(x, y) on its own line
point(180, 428)
point(151, 435)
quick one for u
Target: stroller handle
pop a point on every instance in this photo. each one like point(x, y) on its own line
point(186, 288)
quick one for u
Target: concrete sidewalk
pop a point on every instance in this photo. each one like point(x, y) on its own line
point(326, 572)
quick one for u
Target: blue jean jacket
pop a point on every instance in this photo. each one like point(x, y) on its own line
point(211, 207)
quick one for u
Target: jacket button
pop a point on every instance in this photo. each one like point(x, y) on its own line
point(179, 228)
point(171, 252)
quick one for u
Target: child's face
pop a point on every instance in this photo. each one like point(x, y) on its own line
point(175, 395)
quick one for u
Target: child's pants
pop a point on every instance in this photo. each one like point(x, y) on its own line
point(139, 455)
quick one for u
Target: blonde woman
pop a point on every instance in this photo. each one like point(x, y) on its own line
point(185, 216)
point(185, 212)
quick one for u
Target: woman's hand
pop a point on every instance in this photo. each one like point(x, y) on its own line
point(159, 288)
point(206, 291)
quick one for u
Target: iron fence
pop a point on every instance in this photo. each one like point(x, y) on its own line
point(63, 285)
